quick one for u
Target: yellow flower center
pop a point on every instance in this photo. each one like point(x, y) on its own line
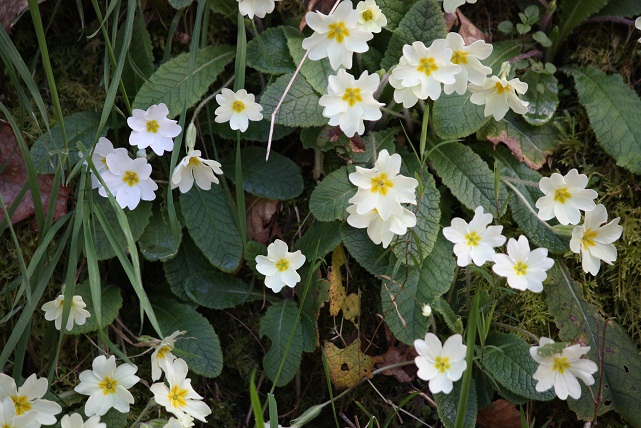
point(238, 106)
point(352, 96)
point(131, 178)
point(163, 351)
point(338, 31)
point(561, 195)
point(21, 403)
point(177, 396)
point(560, 364)
point(520, 268)
point(194, 161)
point(108, 385)
point(587, 240)
point(459, 57)
point(282, 265)
point(6, 426)
point(472, 239)
point(152, 126)
point(381, 184)
point(442, 364)
point(500, 88)
point(367, 15)
point(427, 66)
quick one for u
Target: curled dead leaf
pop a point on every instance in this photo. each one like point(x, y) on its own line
point(468, 30)
point(9, 10)
point(338, 298)
point(348, 366)
point(260, 213)
point(500, 414)
point(395, 355)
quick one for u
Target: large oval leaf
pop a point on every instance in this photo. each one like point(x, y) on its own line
point(329, 198)
point(268, 52)
point(300, 106)
point(217, 290)
point(157, 241)
point(188, 261)
point(543, 96)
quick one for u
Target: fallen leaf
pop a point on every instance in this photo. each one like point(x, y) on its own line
point(469, 31)
point(13, 176)
point(338, 298)
point(499, 414)
point(450, 20)
point(356, 144)
point(9, 10)
point(395, 355)
point(260, 213)
point(348, 366)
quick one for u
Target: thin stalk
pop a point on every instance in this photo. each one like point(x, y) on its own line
point(469, 358)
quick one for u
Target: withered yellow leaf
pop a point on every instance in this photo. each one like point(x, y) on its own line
point(348, 366)
point(338, 298)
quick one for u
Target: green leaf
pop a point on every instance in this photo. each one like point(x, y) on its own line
point(507, 358)
point(403, 298)
point(225, 7)
point(211, 224)
point(268, 52)
point(320, 239)
point(300, 107)
point(423, 22)
point(528, 221)
point(310, 332)
point(328, 201)
point(217, 290)
point(394, 11)
point(188, 261)
point(579, 321)
point(256, 131)
point(623, 8)
point(253, 249)
point(315, 72)
point(543, 96)
point(200, 347)
point(370, 256)
point(180, 4)
point(614, 109)
point(49, 149)
point(530, 144)
point(114, 419)
point(572, 13)
point(278, 178)
point(468, 177)
point(440, 306)
point(447, 405)
point(454, 116)
point(140, 61)
point(138, 220)
point(169, 83)
point(157, 241)
point(110, 303)
point(277, 325)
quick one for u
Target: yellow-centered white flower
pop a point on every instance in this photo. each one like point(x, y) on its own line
point(259, 8)
point(237, 108)
point(75, 421)
point(279, 266)
point(179, 397)
point(349, 102)
point(99, 158)
point(336, 36)
point(474, 242)
point(9, 418)
point(561, 369)
point(107, 386)
point(382, 188)
point(565, 196)
point(371, 17)
point(28, 399)
point(524, 269)
point(152, 128)
point(381, 231)
point(450, 6)
point(421, 70)
point(192, 168)
point(77, 314)
point(468, 57)
point(499, 95)
point(185, 422)
point(162, 356)
point(128, 180)
point(594, 241)
point(441, 365)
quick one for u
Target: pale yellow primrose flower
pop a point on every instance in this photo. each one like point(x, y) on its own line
point(192, 168)
point(107, 386)
point(279, 266)
point(381, 231)
point(441, 365)
point(499, 95)
point(237, 108)
point(259, 8)
point(336, 36)
point(77, 314)
point(468, 57)
point(371, 17)
point(9, 418)
point(561, 370)
point(594, 241)
point(75, 421)
point(99, 158)
point(524, 269)
point(565, 196)
point(162, 356)
point(152, 128)
point(129, 180)
point(28, 399)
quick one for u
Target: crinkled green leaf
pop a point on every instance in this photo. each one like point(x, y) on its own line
point(310, 332)
point(403, 297)
point(300, 107)
point(454, 116)
point(188, 261)
point(447, 405)
point(394, 11)
point(157, 241)
point(543, 96)
point(572, 13)
point(277, 325)
point(329, 198)
point(138, 220)
point(530, 144)
point(49, 149)
point(507, 358)
point(614, 110)
point(468, 177)
point(623, 8)
point(320, 239)
point(180, 4)
point(211, 224)
point(110, 303)
point(140, 61)
point(216, 290)
point(114, 419)
point(268, 52)
point(169, 83)
point(579, 321)
point(423, 22)
point(370, 256)
point(200, 346)
point(315, 72)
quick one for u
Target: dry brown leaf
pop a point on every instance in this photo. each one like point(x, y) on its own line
point(469, 31)
point(9, 10)
point(450, 20)
point(349, 365)
point(260, 213)
point(499, 414)
point(356, 144)
point(395, 355)
point(13, 176)
point(338, 298)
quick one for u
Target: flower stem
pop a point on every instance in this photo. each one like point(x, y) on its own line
point(469, 357)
